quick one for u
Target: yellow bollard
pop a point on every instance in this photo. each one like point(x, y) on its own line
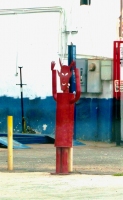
point(10, 142)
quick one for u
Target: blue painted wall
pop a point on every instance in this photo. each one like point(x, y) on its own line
point(93, 116)
point(94, 119)
point(37, 112)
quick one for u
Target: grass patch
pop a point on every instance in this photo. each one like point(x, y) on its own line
point(118, 174)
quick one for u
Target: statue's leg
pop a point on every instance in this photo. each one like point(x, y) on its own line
point(58, 159)
point(64, 160)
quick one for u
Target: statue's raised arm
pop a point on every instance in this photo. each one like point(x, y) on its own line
point(54, 81)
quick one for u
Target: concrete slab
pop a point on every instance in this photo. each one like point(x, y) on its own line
point(95, 166)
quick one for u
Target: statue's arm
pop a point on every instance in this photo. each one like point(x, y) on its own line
point(54, 81)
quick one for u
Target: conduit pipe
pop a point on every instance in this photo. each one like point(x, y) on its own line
point(30, 10)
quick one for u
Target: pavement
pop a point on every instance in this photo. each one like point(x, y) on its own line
point(97, 173)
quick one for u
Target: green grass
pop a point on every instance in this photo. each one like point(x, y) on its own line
point(118, 174)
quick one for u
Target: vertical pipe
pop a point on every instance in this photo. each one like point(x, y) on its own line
point(10, 142)
point(118, 61)
point(21, 87)
point(72, 57)
point(116, 76)
point(22, 107)
point(118, 115)
point(70, 159)
point(114, 69)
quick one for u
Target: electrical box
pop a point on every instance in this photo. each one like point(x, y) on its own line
point(81, 64)
point(106, 70)
point(94, 77)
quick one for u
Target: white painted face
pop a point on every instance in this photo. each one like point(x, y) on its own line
point(64, 75)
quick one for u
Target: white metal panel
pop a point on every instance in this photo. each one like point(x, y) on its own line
point(106, 70)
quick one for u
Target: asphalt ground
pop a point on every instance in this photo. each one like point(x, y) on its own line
point(97, 173)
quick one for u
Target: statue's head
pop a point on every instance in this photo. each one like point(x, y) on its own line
point(65, 74)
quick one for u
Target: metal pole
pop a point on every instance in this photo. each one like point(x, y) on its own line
point(72, 57)
point(70, 159)
point(22, 107)
point(116, 94)
point(21, 89)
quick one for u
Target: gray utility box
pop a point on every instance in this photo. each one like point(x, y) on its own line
point(81, 64)
point(94, 77)
point(106, 70)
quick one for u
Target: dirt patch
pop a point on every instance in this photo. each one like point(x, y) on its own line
point(92, 158)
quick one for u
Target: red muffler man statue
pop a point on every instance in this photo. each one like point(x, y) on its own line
point(64, 114)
